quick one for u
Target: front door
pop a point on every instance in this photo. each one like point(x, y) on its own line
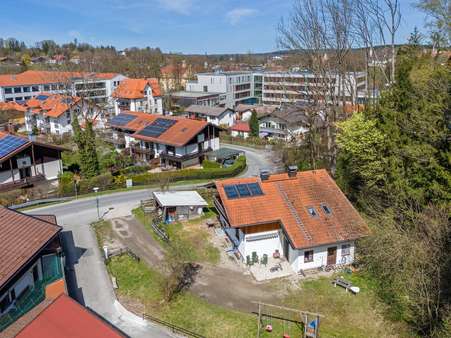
point(332, 255)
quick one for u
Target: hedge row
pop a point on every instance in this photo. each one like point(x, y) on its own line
point(107, 181)
point(191, 174)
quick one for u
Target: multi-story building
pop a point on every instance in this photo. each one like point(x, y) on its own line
point(235, 87)
point(31, 263)
point(54, 113)
point(176, 141)
point(291, 87)
point(219, 116)
point(138, 95)
point(97, 87)
point(276, 88)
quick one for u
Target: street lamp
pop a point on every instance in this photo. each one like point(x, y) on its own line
point(96, 190)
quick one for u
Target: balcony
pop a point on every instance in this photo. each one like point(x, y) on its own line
point(136, 149)
point(22, 183)
point(33, 296)
point(179, 158)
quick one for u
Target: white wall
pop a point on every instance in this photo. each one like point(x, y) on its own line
point(262, 246)
point(319, 256)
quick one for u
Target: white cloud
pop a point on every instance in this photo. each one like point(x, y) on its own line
point(235, 15)
point(178, 6)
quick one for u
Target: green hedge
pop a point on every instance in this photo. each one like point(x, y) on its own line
point(191, 174)
point(206, 164)
point(108, 181)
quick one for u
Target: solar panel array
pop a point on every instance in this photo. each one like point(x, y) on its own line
point(242, 190)
point(42, 97)
point(10, 143)
point(157, 127)
point(122, 119)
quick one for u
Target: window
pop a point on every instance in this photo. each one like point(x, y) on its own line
point(8, 90)
point(17, 90)
point(312, 211)
point(26, 89)
point(346, 249)
point(34, 88)
point(308, 256)
point(326, 209)
point(5, 303)
point(205, 88)
point(46, 87)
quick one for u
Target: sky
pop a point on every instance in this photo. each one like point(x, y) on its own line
point(182, 26)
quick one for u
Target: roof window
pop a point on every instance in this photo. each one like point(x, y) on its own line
point(312, 211)
point(326, 209)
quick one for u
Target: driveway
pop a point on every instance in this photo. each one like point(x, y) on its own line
point(88, 280)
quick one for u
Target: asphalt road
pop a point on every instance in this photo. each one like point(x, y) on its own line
point(88, 279)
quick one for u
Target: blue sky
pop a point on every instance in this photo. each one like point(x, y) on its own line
point(186, 26)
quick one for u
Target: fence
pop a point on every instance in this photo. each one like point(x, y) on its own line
point(174, 328)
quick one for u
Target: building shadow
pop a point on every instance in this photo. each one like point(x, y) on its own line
point(72, 255)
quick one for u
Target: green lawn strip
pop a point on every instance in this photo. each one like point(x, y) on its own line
point(196, 239)
point(103, 232)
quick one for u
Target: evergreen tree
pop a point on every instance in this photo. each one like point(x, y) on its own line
point(253, 124)
point(85, 140)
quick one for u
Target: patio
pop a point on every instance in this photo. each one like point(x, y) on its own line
point(275, 268)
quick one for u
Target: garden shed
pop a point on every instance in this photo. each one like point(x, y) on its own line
point(179, 205)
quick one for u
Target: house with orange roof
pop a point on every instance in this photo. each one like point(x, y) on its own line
point(25, 163)
point(97, 87)
point(302, 217)
point(240, 129)
point(177, 142)
point(31, 263)
point(138, 95)
point(54, 113)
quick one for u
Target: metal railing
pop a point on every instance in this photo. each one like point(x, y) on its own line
point(174, 328)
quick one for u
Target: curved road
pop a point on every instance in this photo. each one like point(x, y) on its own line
point(88, 280)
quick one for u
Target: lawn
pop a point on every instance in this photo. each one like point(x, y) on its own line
point(139, 282)
point(188, 235)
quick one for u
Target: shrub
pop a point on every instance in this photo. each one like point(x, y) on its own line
point(66, 184)
point(11, 197)
point(103, 182)
point(210, 164)
point(191, 174)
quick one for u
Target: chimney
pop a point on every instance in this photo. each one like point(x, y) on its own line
point(264, 174)
point(292, 171)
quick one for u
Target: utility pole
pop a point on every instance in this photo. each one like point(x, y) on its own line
point(96, 190)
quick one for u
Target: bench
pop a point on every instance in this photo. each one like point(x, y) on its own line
point(346, 285)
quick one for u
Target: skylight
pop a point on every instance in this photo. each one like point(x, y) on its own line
point(312, 211)
point(326, 209)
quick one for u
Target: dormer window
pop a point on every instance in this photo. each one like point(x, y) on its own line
point(312, 211)
point(326, 209)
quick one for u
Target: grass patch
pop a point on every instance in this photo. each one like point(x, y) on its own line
point(188, 235)
point(103, 232)
point(346, 315)
point(138, 281)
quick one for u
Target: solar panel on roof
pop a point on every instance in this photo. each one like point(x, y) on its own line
point(157, 127)
point(231, 191)
point(42, 97)
point(10, 143)
point(243, 190)
point(255, 189)
point(122, 119)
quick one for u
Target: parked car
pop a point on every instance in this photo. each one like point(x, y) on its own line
point(228, 163)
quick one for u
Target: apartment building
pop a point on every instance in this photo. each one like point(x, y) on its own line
point(97, 87)
point(276, 88)
point(138, 95)
point(304, 86)
point(177, 142)
point(54, 113)
point(235, 87)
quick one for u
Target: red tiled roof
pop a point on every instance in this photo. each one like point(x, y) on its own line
point(134, 88)
point(12, 106)
point(241, 126)
point(66, 318)
point(21, 237)
point(177, 135)
point(32, 77)
point(308, 189)
point(53, 106)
